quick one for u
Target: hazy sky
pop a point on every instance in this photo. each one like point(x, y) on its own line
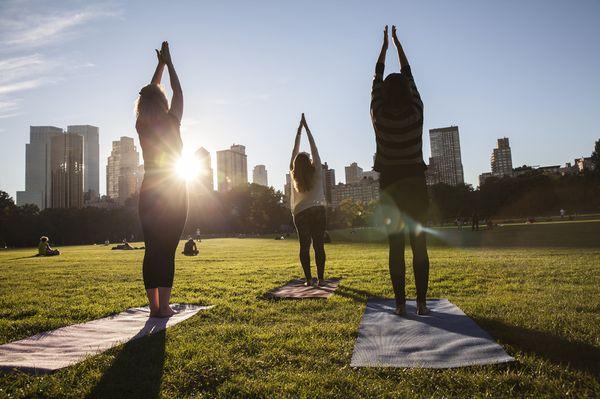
point(525, 70)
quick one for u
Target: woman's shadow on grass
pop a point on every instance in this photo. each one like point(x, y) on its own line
point(578, 355)
point(356, 294)
point(137, 370)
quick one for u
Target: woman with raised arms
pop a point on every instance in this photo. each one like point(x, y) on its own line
point(308, 204)
point(163, 198)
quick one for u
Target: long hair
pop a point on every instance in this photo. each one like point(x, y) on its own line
point(151, 102)
point(303, 173)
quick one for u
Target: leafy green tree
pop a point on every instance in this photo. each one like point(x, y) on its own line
point(451, 202)
point(6, 206)
point(596, 157)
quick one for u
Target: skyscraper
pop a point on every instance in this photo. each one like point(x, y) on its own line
point(354, 173)
point(328, 182)
point(445, 154)
point(501, 159)
point(66, 164)
point(204, 182)
point(122, 169)
point(232, 167)
point(259, 175)
point(38, 173)
point(91, 157)
point(431, 176)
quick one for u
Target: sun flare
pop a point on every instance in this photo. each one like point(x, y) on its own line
point(188, 167)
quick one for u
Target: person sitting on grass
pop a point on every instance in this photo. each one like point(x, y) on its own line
point(44, 248)
point(190, 248)
point(124, 246)
point(397, 116)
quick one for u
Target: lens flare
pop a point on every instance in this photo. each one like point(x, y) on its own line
point(188, 167)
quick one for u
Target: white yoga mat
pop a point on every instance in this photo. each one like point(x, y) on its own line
point(445, 338)
point(53, 350)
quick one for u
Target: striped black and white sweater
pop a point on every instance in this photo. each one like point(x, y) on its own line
point(399, 136)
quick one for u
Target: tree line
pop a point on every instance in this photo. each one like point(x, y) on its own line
point(254, 209)
point(250, 209)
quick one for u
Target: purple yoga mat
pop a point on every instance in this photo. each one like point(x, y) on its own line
point(296, 289)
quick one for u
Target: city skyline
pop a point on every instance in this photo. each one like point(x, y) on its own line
point(446, 138)
point(499, 77)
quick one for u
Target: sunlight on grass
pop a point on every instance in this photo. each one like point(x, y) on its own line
point(541, 304)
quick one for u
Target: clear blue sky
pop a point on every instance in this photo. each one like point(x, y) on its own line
point(526, 70)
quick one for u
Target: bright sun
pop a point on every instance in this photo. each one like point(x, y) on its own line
point(188, 167)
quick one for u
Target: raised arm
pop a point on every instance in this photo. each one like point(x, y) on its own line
point(296, 148)
point(405, 68)
point(177, 99)
point(160, 67)
point(376, 90)
point(313, 147)
point(384, 47)
point(401, 56)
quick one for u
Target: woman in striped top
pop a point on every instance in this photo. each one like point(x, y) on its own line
point(397, 116)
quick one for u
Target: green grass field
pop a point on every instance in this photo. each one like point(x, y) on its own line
point(542, 303)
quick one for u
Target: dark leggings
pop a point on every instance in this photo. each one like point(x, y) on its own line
point(162, 214)
point(397, 265)
point(405, 202)
point(311, 224)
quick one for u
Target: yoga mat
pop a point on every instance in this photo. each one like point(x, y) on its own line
point(444, 338)
point(53, 350)
point(296, 289)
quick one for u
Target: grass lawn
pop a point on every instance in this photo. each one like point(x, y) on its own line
point(542, 303)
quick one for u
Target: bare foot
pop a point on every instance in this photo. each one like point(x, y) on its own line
point(168, 312)
point(400, 310)
point(422, 309)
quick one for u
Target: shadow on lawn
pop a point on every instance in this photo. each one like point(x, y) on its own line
point(136, 371)
point(355, 294)
point(578, 355)
point(26, 257)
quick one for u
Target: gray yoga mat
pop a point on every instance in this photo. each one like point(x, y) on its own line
point(295, 289)
point(53, 350)
point(445, 338)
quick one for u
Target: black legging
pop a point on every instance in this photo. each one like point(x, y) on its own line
point(405, 202)
point(163, 211)
point(311, 224)
point(397, 265)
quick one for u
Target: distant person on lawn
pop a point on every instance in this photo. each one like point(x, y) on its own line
point(44, 248)
point(397, 116)
point(190, 248)
point(163, 200)
point(124, 246)
point(308, 204)
point(475, 221)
